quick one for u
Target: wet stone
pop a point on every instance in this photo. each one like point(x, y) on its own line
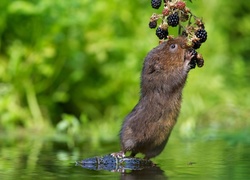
point(111, 163)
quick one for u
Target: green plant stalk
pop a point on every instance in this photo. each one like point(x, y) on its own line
point(33, 105)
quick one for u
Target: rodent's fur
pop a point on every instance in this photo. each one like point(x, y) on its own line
point(148, 126)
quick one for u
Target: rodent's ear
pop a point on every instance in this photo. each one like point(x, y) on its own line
point(173, 48)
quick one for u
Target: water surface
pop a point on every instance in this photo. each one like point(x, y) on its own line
point(200, 158)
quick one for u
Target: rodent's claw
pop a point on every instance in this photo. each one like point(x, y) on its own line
point(188, 56)
point(120, 154)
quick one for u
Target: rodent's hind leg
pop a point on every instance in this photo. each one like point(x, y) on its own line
point(133, 154)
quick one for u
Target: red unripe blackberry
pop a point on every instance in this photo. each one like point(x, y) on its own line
point(202, 34)
point(155, 4)
point(173, 19)
point(165, 12)
point(152, 24)
point(180, 5)
point(161, 33)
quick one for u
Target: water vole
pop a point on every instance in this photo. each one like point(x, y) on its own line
point(147, 127)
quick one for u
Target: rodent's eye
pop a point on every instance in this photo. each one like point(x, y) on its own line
point(173, 47)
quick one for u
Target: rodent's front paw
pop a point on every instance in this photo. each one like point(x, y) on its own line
point(188, 57)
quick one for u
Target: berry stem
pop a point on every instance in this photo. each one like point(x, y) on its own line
point(179, 29)
point(189, 20)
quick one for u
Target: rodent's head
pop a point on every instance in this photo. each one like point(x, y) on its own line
point(168, 57)
point(174, 51)
point(166, 66)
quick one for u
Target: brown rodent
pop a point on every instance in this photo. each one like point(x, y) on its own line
point(147, 128)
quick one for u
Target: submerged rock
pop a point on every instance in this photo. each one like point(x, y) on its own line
point(111, 163)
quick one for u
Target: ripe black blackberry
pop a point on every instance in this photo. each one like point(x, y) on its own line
point(196, 44)
point(200, 62)
point(193, 61)
point(202, 34)
point(152, 24)
point(194, 53)
point(192, 64)
point(173, 19)
point(156, 4)
point(161, 33)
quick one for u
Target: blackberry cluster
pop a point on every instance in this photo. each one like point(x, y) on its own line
point(161, 33)
point(176, 13)
point(196, 60)
point(156, 4)
point(173, 19)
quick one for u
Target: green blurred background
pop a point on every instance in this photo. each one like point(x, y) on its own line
point(73, 67)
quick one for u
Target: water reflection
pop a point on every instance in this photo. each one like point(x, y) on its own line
point(153, 172)
point(147, 173)
point(33, 158)
point(130, 168)
point(115, 164)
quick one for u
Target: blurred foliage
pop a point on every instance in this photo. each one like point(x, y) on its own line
point(74, 66)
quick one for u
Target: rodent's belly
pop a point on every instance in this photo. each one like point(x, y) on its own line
point(153, 133)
